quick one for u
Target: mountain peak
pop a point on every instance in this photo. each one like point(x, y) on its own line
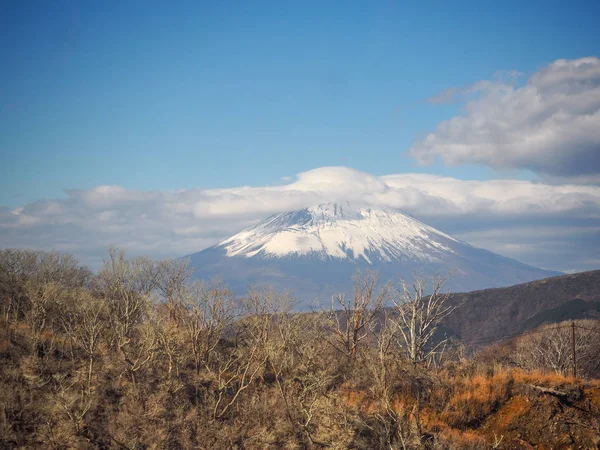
point(342, 231)
point(315, 251)
point(333, 211)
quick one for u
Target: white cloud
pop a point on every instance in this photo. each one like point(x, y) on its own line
point(176, 223)
point(550, 125)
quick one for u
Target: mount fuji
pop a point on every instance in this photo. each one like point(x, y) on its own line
point(314, 252)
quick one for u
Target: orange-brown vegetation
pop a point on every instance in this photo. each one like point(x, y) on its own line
point(503, 410)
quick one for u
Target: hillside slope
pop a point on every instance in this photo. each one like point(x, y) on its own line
point(485, 316)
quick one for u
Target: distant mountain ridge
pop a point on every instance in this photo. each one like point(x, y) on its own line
point(314, 252)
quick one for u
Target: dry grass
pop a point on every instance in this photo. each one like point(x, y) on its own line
point(458, 406)
point(473, 399)
point(457, 439)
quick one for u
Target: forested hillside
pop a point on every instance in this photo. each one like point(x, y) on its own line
point(491, 315)
point(138, 357)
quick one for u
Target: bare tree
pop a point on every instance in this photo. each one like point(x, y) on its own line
point(351, 320)
point(171, 279)
point(24, 272)
point(74, 402)
point(171, 283)
point(387, 376)
point(60, 268)
point(549, 348)
point(16, 267)
point(84, 322)
point(419, 314)
point(302, 382)
point(171, 346)
point(43, 304)
point(208, 312)
point(250, 357)
point(126, 287)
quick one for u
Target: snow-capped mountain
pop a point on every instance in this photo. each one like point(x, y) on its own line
point(315, 251)
point(335, 230)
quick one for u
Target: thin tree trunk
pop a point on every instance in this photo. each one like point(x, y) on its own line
point(90, 367)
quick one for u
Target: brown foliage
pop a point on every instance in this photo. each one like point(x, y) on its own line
point(137, 358)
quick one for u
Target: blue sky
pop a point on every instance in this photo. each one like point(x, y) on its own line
point(165, 127)
point(151, 95)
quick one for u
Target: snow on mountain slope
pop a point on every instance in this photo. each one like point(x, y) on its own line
point(315, 252)
point(336, 230)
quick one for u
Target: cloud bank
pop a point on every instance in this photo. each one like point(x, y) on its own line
point(530, 221)
point(550, 125)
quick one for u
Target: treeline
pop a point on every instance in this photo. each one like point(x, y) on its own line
point(138, 356)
